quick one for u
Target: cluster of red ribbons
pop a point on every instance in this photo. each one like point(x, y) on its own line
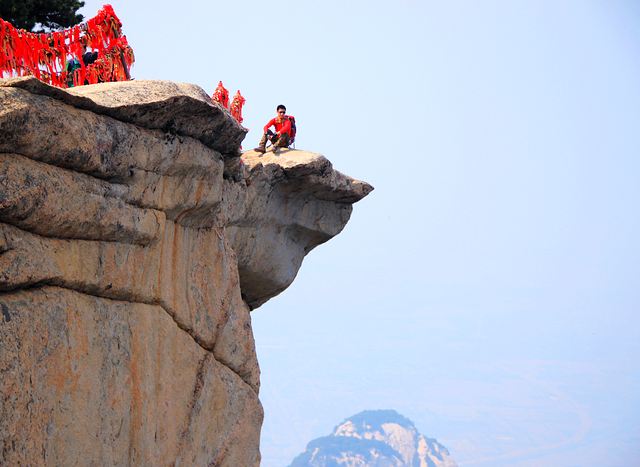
point(221, 96)
point(46, 55)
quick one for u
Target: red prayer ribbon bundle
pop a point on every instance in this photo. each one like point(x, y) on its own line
point(221, 96)
point(45, 55)
point(236, 106)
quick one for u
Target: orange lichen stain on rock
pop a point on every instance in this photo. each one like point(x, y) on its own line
point(175, 266)
point(114, 401)
point(59, 375)
point(199, 188)
point(56, 377)
point(164, 190)
point(136, 407)
point(137, 270)
point(77, 349)
point(80, 337)
point(215, 278)
point(157, 284)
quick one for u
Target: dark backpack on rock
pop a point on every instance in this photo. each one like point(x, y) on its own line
point(292, 119)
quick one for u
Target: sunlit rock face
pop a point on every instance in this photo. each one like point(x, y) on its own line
point(379, 438)
point(134, 241)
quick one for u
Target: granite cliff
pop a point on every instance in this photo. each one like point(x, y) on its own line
point(134, 242)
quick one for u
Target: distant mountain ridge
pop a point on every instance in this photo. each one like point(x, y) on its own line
point(375, 438)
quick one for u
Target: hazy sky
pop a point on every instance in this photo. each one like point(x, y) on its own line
point(489, 288)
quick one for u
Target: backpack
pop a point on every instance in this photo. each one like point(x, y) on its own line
point(72, 65)
point(292, 119)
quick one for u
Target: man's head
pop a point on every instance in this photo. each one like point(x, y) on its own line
point(281, 109)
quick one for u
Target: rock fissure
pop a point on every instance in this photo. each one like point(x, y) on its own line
point(89, 292)
point(13, 223)
point(193, 173)
point(196, 394)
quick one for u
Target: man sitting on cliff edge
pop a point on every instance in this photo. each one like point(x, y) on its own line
point(282, 136)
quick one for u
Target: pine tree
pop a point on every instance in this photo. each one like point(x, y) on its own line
point(47, 14)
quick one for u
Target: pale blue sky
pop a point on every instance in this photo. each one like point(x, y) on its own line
point(489, 288)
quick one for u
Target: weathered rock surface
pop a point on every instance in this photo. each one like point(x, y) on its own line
point(133, 243)
point(181, 108)
point(92, 381)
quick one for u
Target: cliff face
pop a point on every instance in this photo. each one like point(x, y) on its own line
point(133, 244)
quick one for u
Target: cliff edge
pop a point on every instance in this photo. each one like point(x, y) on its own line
point(134, 241)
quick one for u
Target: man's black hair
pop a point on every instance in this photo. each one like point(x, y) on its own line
point(281, 107)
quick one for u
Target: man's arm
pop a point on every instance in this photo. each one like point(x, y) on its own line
point(269, 125)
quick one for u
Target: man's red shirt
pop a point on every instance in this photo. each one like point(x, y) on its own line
point(281, 128)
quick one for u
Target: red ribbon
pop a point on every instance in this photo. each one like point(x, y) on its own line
point(221, 96)
point(45, 55)
point(236, 106)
